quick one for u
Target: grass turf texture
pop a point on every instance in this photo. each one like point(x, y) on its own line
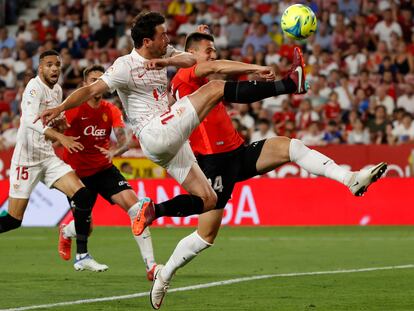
point(33, 274)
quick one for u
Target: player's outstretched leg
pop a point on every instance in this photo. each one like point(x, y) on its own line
point(317, 163)
point(360, 181)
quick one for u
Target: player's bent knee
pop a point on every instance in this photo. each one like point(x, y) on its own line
point(83, 199)
point(210, 201)
point(8, 223)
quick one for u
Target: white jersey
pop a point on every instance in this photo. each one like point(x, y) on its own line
point(32, 147)
point(143, 92)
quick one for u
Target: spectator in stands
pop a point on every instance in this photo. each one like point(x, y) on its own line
point(220, 39)
point(404, 132)
point(332, 134)
point(190, 25)
point(377, 125)
point(204, 17)
point(259, 40)
point(7, 76)
point(305, 116)
point(355, 61)
point(271, 17)
point(105, 36)
point(6, 40)
point(263, 131)
point(359, 134)
point(384, 28)
point(403, 61)
point(86, 38)
point(9, 135)
point(332, 109)
point(6, 57)
point(406, 101)
point(385, 100)
point(313, 136)
point(323, 38)
point(235, 30)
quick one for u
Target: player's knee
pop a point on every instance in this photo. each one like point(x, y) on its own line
point(210, 200)
point(8, 223)
point(83, 199)
point(216, 87)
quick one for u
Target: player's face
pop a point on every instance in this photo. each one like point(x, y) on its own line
point(204, 51)
point(158, 46)
point(91, 78)
point(49, 69)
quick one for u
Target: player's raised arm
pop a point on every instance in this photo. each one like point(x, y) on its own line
point(179, 60)
point(75, 99)
point(228, 67)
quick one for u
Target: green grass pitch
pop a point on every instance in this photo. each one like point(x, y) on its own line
point(31, 272)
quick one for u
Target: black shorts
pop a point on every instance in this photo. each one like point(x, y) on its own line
point(225, 169)
point(106, 183)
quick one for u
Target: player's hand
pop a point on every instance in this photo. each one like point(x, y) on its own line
point(48, 115)
point(156, 64)
point(203, 29)
point(59, 124)
point(266, 73)
point(107, 153)
point(70, 143)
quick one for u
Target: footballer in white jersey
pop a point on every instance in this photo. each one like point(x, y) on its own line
point(34, 159)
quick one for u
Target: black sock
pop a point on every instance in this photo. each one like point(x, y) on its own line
point(83, 201)
point(182, 205)
point(252, 91)
point(8, 223)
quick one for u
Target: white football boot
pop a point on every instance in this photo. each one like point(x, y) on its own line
point(159, 288)
point(88, 263)
point(360, 181)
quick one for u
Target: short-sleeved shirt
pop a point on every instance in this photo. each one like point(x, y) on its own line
point(93, 126)
point(143, 92)
point(32, 147)
point(216, 133)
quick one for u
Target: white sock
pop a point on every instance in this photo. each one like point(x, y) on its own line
point(69, 231)
point(317, 163)
point(184, 252)
point(144, 241)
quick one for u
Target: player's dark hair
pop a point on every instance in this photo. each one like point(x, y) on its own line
point(48, 53)
point(144, 27)
point(196, 37)
point(89, 69)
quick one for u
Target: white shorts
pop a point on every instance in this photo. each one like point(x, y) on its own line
point(23, 179)
point(164, 140)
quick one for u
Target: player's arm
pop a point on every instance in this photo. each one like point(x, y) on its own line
point(75, 99)
point(179, 60)
point(69, 142)
point(228, 67)
point(122, 145)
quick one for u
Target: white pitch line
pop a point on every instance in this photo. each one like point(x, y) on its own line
point(207, 285)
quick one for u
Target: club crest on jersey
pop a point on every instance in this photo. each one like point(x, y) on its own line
point(104, 117)
point(92, 130)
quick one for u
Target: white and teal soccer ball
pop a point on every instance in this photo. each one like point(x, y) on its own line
point(298, 22)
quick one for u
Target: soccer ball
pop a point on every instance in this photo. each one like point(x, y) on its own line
point(298, 22)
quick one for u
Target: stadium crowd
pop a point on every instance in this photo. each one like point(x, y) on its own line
point(360, 63)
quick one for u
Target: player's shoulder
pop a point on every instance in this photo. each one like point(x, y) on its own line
point(34, 88)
